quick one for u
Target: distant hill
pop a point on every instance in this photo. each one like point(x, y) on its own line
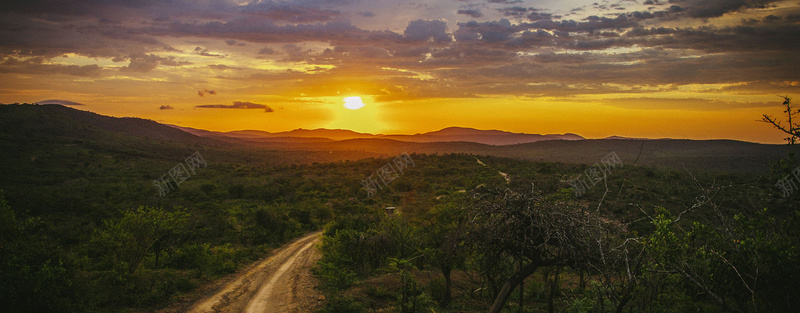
point(23, 126)
point(450, 134)
point(333, 134)
point(52, 120)
point(628, 138)
point(489, 137)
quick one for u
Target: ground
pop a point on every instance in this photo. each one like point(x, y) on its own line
point(282, 282)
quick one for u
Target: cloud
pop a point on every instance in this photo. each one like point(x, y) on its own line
point(537, 16)
point(59, 102)
point(493, 56)
point(686, 104)
point(295, 53)
point(494, 31)
point(513, 11)
point(204, 92)
point(266, 50)
point(166, 107)
point(470, 12)
point(32, 35)
point(148, 62)
point(37, 65)
point(206, 53)
point(716, 8)
point(237, 105)
point(266, 31)
point(290, 12)
point(424, 30)
point(222, 67)
point(505, 1)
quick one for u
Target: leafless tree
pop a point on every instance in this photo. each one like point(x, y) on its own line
point(534, 233)
point(793, 129)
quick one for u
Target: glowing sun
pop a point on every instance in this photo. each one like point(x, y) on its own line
point(353, 103)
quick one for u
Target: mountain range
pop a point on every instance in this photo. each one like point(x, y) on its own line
point(450, 134)
point(22, 127)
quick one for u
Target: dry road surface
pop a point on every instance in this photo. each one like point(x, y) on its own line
point(280, 283)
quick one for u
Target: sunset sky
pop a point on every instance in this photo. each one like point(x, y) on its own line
point(700, 69)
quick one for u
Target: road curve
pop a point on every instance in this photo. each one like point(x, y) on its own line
point(277, 284)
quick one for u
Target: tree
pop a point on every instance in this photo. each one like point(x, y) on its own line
point(747, 263)
point(411, 299)
point(138, 232)
point(534, 233)
point(443, 238)
point(32, 267)
point(793, 129)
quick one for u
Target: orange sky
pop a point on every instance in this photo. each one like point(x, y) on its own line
point(678, 69)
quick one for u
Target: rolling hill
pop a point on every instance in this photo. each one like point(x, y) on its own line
point(21, 125)
point(57, 121)
point(450, 134)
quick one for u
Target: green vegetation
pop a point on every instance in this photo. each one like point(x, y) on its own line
point(83, 228)
point(653, 241)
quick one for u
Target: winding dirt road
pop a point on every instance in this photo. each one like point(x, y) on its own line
point(280, 283)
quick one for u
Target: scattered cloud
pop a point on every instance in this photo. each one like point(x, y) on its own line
point(205, 92)
point(59, 102)
point(166, 107)
point(716, 8)
point(148, 62)
point(237, 105)
point(39, 65)
point(471, 12)
point(266, 50)
point(206, 53)
point(290, 12)
point(424, 30)
point(505, 1)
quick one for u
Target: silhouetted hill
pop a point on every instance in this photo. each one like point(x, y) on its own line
point(33, 135)
point(489, 137)
point(713, 155)
point(450, 134)
point(51, 120)
point(21, 126)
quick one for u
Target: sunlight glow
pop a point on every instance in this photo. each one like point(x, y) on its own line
point(353, 103)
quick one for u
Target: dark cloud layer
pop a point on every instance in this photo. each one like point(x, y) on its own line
point(545, 51)
point(289, 12)
point(37, 66)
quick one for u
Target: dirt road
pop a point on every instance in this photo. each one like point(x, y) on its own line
point(280, 283)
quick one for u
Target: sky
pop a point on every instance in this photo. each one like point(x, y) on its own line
point(697, 69)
